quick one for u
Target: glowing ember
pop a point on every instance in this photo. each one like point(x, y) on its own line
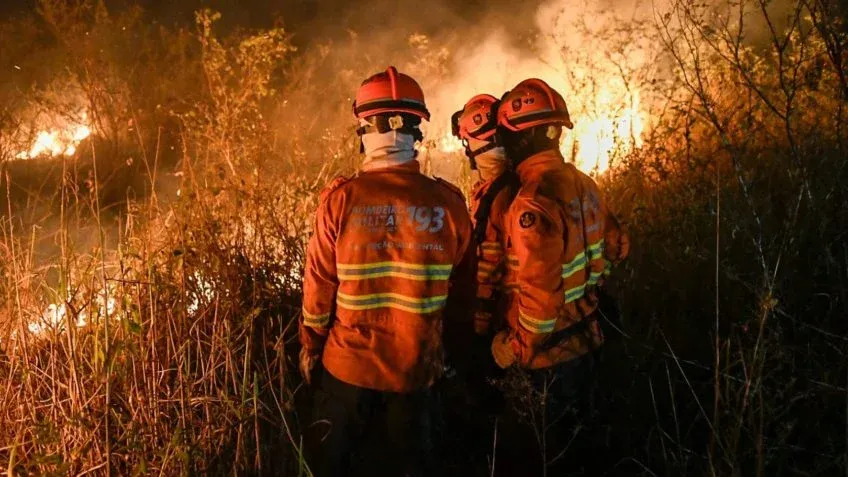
point(58, 141)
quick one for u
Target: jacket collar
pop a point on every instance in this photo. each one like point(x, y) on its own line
point(409, 167)
point(540, 163)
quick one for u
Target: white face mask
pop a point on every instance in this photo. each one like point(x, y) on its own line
point(392, 146)
point(491, 163)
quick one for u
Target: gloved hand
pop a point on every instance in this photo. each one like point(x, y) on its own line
point(308, 360)
point(502, 350)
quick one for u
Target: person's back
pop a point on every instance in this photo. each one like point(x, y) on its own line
point(575, 264)
point(388, 281)
point(399, 237)
point(560, 236)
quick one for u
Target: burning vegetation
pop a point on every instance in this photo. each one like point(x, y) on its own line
point(158, 193)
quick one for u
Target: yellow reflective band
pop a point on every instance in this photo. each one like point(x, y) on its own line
point(492, 254)
point(607, 267)
point(512, 261)
point(488, 266)
point(574, 266)
point(394, 269)
point(596, 250)
point(594, 278)
point(361, 266)
point(536, 325)
point(491, 246)
point(391, 300)
point(575, 293)
point(315, 321)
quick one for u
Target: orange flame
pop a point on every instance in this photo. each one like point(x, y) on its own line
point(58, 141)
point(596, 141)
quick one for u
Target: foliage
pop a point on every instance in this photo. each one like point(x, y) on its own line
point(149, 288)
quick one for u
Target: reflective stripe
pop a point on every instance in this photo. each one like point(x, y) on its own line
point(491, 247)
point(488, 266)
point(315, 321)
point(512, 261)
point(535, 325)
point(575, 293)
point(578, 291)
point(394, 269)
point(392, 300)
point(596, 250)
point(576, 265)
point(607, 267)
point(594, 278)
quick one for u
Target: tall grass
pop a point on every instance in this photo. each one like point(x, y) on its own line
point(149, 287)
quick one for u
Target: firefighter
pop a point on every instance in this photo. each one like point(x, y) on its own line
point(388, 281)
point(476, 126)
point(562, 242)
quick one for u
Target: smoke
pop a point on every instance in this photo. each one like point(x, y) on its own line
point(596, 55)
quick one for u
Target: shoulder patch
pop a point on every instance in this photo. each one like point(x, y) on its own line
point(451, 187)
point(527, 220)
point(333, 185)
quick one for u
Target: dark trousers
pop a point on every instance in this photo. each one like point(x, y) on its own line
point(358, 431)
point(542, 431)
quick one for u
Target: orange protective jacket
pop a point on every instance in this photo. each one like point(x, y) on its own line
point(561, 243)
point(389, 263)
point(491, 259)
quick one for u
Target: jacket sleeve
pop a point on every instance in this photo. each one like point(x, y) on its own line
point(537, 242)
point(320, 282)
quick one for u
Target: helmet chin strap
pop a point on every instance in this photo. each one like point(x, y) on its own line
point(472, 155)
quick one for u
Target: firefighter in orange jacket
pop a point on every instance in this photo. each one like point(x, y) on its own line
point(389, 265)
point(562, 241)
point(476, 126)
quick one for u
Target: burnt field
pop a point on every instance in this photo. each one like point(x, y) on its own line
point(159, 171)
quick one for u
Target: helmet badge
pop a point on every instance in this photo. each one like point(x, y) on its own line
point(396, 122)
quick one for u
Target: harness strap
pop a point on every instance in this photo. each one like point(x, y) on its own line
point(558, 337)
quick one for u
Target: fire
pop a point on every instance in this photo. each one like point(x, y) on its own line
point(450, 144)
point(594, 142)
point(597, 68)
point(58, 141)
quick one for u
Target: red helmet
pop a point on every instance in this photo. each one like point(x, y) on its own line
point(390, 92)
point(532, 103)
point(477, 119)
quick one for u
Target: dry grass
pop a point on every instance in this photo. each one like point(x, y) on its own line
point(177, 237)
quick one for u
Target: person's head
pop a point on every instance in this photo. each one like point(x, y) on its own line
point(476, 126)
point(389, 106)
point(530, 119)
